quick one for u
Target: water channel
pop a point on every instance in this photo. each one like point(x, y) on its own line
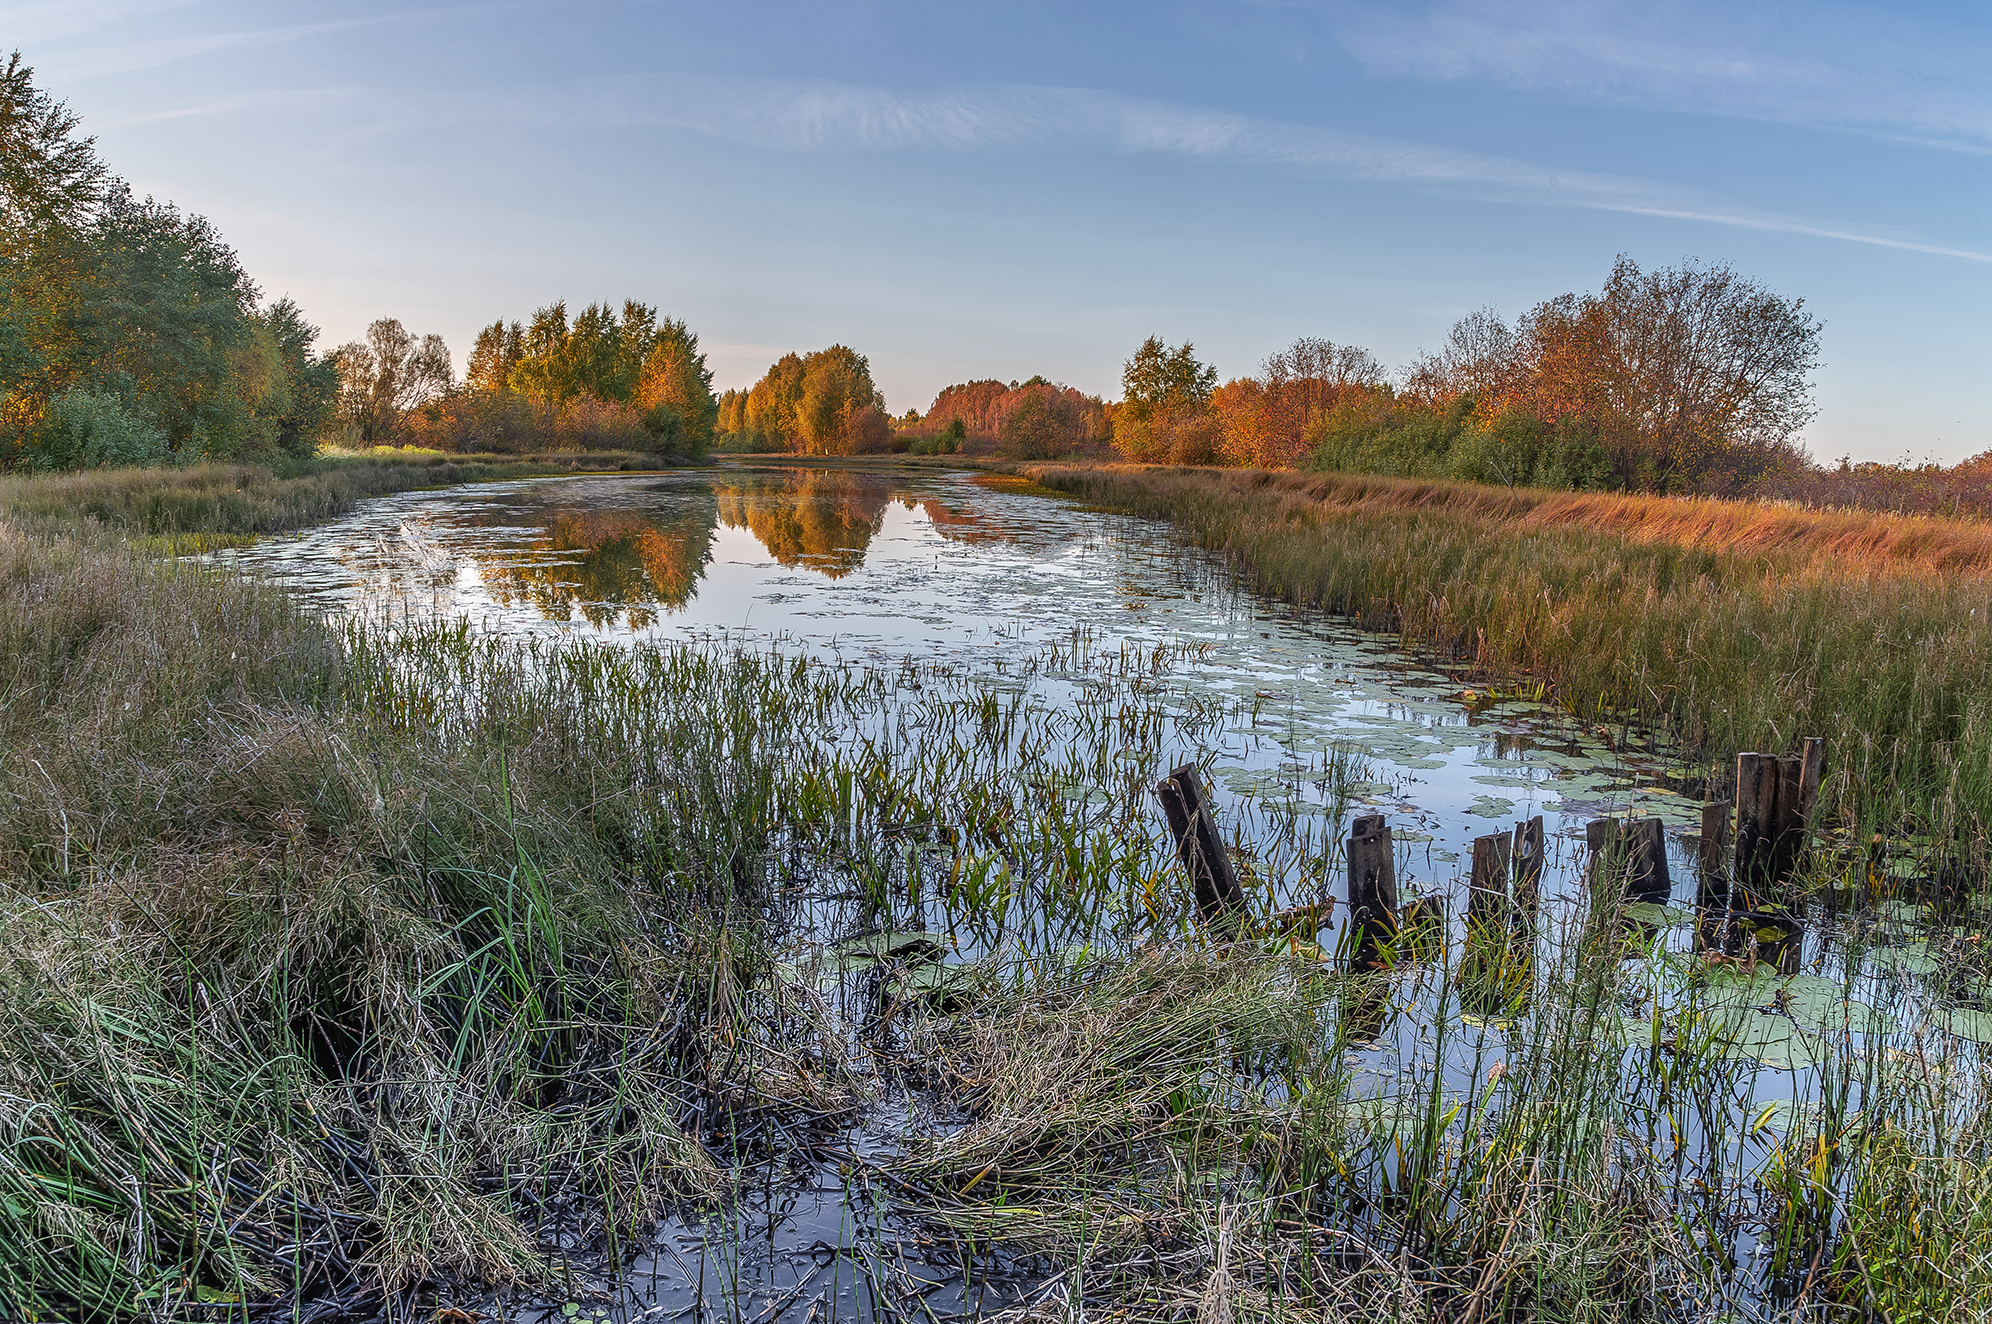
point(880, 567)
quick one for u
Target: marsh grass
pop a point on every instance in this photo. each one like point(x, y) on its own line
point(344, 960)
point(181, 510)
point(1731, 625)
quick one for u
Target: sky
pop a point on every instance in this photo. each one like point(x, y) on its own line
point(998, 190)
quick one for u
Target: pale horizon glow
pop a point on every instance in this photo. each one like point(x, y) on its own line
point(999, 191)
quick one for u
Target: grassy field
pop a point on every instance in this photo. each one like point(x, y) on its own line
point(180, 509)
point(341, 964)
point(1736, 626)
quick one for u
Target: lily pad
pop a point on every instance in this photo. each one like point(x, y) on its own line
point(1764, 1037)
point(1910, 960)
point(946, 985)
point(1816, 1004)
point(869, 949)
point(1965, 1022)
point(1666, 917)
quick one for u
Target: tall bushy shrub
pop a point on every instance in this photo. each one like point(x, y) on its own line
point(92, 429)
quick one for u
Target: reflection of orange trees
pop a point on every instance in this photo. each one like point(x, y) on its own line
point(824, 520)
point(962, 525)
point(615, 567)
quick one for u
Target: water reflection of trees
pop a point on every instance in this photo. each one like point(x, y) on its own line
point(616, 567)
point(613, 567)
point(823, 519)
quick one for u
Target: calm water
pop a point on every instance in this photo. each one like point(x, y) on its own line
point(860, 567)
point(878, 566)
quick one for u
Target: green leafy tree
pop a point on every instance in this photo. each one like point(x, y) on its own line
point(1164, 413)
point(123, 321)
point(50, 184)
point(311, 382)
point(1158, 382)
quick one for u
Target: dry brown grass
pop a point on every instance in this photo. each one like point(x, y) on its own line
point(1841, 541)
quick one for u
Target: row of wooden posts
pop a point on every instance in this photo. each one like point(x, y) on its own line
point(1745, 873)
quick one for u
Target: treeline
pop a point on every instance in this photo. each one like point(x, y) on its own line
point(1681, 379)
point(129, 332)
point(611, 379)
point(821, 403)
point(1038, 419)
point(826, 403)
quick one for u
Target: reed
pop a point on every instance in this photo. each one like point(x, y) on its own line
point(1730, 625)
point(237, 500)
point(338, 960)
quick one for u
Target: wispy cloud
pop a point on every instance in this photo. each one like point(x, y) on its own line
point(158, 52)
point(1834, 65)
point(233, 105)
point(44, 21)
point(796, 116)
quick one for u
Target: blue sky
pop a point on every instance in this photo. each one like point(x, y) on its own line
point(968, 191)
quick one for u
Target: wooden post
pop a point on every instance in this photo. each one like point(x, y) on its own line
point(1528, 857)
point(1648, 881)
point(1774, 803)
point(1606, 867)
point(1372, 883)
point(1712, 860)
point(1813, 760)
point(1199, 844)
point(1757, 820)
point(1712, 927)
point(1630, 856)
point(1487, 890)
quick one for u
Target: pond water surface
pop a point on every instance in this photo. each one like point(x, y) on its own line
point(867, 567)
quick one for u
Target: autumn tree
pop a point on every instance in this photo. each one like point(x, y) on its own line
point(822, 403)
point(497, 350)
point(773, 400)
point(1164, 413)
point(385, 376)
point(1482, 357)
point(984, 409)
point(674, 390)
point(1265, 419)
point(1692, 377)
point(1043, 422)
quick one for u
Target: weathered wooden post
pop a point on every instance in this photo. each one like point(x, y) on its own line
point(1604, 870)
point(1712, 857)
point(1372, 884)
point(1774, 803)
point(1528, 857)
point(1648, 881)
point(1629, 858)
point(1712, 878)
point(1812, 757)
point(1487, 888)
point(1199, 844)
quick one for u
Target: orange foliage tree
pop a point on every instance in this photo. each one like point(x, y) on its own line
point(1035, 419)
point(1265, 420)
point(823, 403)
point(1691, 377)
